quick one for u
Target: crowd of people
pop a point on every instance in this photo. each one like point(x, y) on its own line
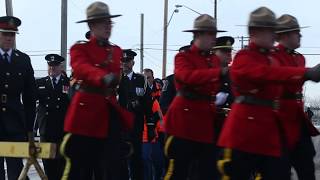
point(217, 117)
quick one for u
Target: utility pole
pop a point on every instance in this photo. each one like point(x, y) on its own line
point(9, 9)
point(165, 29)
point(9, 12)
point(64, 28)
point(242, 46)
point(215, 11)
point(141, 43)
point(242, 39)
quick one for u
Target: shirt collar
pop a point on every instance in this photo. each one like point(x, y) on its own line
point(130, 75)
point(57, 78)
point(255, 47)
point(9, 52)
point(281, 47)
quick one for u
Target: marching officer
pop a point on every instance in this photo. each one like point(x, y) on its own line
point(17, 83)
point(52, 93)
point(133, 95)
point(224, 98)
point(96, 64)
point(252, 136)
point(297, 126)
point(190, 118)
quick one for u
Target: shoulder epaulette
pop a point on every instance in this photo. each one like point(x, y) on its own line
point(82, 42)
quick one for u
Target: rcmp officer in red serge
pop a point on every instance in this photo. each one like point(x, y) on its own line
point(191, 116)
point(52, 93)
point(93, 107)
point(252, 135)
point(16, 83)
point(133, 95)
point(297, 126)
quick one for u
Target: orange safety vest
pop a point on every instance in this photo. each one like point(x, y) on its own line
point(155, 108)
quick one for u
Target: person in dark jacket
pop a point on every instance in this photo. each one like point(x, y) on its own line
point(136, 98)
point(52, 93)
point(17, 94)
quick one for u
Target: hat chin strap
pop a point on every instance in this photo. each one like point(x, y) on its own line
point(103, 42)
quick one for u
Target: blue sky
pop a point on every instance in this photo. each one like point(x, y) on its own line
point(40, 29)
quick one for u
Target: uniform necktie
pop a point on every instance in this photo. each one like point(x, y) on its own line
point(54, 81)
point(6, 57)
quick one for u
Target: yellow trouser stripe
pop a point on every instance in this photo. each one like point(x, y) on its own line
point(227, 153)
point(68, 160)
point(166, 146)
point(258, 176)
point(170, 170)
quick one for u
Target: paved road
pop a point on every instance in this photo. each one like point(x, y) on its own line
point(33, 174)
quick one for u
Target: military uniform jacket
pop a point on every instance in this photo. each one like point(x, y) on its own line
point(226, 88)
point(53, 104)
point(89, 113)
point(255, 128)
point(292, 110)
point(168, 93)
point(136, 97)
point(196, 72)
point(17, 93)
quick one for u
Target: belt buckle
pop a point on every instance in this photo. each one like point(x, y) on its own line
point(4, 98)
point(276, 104)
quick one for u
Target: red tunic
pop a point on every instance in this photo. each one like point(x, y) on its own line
point(292, 110)
point(89, 113)
point(253, 128)
point(194, 119)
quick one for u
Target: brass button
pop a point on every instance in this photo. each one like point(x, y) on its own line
point(81, 104)
point(8, 74)
point(58, 107)
point(47, 113)
point(6, 86)
point(58, 99)
point(4, 109)
point(48, 97)
point(47, 105)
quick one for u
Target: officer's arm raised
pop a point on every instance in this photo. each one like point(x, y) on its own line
point(84, 68)
point(247, 67)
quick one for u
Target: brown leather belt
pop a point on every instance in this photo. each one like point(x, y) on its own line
point(95, 90)
point(257, 101)
point(195, 96)
point(293, 96)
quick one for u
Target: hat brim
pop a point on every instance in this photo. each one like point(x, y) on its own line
point(127, 59)
point(259, 26)
point(54, 64)
point(222, 47)
point(100, 17)
point(203, 30)
point(292, 29)
point(10, 31)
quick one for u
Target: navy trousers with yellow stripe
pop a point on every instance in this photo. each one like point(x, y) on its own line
point(183, 153)
point(239, 165)
point(84, 157)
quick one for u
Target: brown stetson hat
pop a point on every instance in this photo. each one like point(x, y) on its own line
point(262, 17)
point(288, 23)
point(204, 23)
point(98, 10)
